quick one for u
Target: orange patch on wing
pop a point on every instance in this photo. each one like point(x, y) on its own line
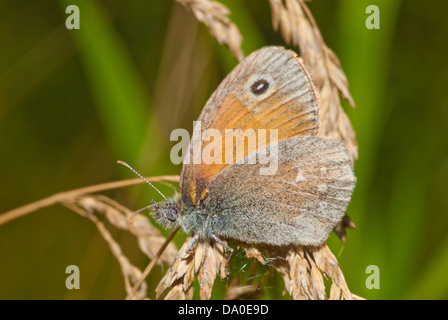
point(287, 116)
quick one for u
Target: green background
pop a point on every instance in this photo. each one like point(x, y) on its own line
point(72, 102)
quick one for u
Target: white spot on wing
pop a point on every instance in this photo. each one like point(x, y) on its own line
point(322, 187)
point(300, 176)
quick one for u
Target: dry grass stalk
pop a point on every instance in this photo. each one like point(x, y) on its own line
point(204, 262)
point(149, 238)
point(298, 25)
point(130, 273)
point(214, 15)
point(62, 197)
point(237, 292)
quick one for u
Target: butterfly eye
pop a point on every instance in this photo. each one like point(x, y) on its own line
point(259, 86)
point(171, 214)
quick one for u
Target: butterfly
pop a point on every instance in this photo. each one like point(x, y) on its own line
point(298, 204)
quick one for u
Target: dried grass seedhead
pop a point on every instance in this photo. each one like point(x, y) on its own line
point(303, 270)
point(149, 238)
point(298, 26)
point(214, 15)
point(98, 208)
point(203, 262)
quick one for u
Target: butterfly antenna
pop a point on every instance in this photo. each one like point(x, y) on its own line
point(126, 165)
point(131, 219)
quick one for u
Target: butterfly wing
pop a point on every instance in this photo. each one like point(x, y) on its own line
point(300, 204)
point(270, 89)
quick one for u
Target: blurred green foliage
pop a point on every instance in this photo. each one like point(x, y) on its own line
point(72, 102)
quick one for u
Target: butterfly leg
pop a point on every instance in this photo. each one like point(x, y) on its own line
point(193, 244)
point(225, 246)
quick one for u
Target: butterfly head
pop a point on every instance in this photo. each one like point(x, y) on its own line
point(168, 213)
